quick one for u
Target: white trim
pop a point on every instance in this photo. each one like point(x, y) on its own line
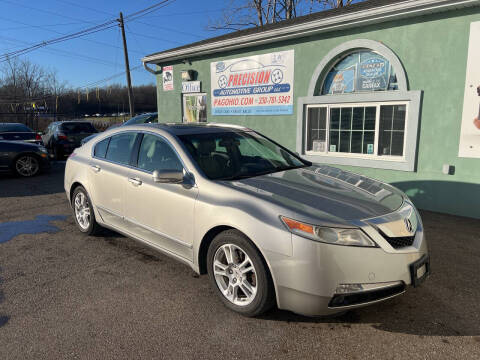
point(403, 9)
point(373, 156)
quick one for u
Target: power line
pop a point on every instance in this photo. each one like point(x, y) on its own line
point(65, 53)
point(137, 21)
point(60, 33)
point(91, 30)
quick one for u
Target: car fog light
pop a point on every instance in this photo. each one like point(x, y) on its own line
point(348, 288)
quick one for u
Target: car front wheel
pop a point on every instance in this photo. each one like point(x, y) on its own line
point(239, 274)
point(27, 166)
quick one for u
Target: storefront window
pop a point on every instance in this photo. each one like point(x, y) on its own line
point(372, 130)
point(358, 72)
point(359, 111)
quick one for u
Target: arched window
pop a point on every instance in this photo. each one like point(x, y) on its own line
point(360, 71)
point(359, 110)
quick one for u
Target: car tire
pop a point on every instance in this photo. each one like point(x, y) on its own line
point(83, 212)
point(259, 278)
point(26, 165)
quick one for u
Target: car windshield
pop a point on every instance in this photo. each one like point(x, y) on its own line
point(142, 119)
point(238, 154)
point(14, 128)
point(77, 128)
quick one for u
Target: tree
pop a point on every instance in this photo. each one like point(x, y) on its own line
point(239, 14)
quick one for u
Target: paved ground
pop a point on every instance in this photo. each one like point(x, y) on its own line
point(65, 295)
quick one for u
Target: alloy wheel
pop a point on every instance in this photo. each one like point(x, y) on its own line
point(82, 210)
point(27, 166)
point(235, 274)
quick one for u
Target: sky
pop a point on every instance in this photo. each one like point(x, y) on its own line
point(86, 60)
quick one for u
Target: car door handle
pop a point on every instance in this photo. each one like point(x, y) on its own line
point(135, 181)
point(95, 168)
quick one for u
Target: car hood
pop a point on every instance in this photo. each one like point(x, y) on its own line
point(324, 193)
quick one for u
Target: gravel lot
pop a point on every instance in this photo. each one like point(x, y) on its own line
point(66, 295)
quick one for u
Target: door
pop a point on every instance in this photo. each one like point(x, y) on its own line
point(160, 213)
point(108, 175)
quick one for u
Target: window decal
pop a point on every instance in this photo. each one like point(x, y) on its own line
point(359, 72)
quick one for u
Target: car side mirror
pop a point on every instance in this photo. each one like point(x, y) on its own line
point(168, 176)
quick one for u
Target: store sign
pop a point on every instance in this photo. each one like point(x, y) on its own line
point(190, 86)
point(470, 133)
point(254, 85)
point(167, 72)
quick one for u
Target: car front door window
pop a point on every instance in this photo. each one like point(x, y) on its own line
point(156, 154)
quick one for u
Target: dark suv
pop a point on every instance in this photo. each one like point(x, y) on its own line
point(61, 138)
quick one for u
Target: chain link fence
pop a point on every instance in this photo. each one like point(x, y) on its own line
point(39, 122)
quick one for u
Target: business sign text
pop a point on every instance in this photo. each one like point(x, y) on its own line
point(255, 85)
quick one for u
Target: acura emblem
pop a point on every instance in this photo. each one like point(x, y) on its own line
point(408, 225)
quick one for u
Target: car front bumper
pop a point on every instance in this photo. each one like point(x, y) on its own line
point(324, 279)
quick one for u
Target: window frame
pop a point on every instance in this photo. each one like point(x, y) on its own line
point(133, 163)
point(407, 163)
point(373, 156)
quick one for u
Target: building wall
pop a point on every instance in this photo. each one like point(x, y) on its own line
point(433, 50)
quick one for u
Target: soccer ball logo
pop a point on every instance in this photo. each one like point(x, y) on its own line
point(277, 76)
point(222, 81)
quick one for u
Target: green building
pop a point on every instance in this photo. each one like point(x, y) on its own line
point(388, 89)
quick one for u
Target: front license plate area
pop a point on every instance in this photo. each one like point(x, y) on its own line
point(419, 270)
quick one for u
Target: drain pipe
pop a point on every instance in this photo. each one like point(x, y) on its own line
point(150, 70)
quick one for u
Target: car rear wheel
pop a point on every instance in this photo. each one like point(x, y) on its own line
point(27, 166)
point(83, 212)
point(239, 274)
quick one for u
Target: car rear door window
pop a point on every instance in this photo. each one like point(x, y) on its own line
point(101, 148)
point(157, 154)
point(120, 148)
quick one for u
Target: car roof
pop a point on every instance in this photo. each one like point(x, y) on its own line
point(195, 128)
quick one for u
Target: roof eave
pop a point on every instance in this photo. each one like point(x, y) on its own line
point(380, 14)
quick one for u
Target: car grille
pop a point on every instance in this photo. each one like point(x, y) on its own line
point(400, 242)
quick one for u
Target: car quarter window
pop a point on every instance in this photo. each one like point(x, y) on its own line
point(120, 148)
point(156, 154)
point(101, 148)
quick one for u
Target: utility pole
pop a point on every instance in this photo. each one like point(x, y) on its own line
point(127, 66)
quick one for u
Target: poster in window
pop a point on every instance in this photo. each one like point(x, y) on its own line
point(373, 74)
point(470, 133)
point(341, 81)
point(194, 107)
point(167, 72)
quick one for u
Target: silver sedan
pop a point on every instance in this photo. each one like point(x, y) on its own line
point(266, 226)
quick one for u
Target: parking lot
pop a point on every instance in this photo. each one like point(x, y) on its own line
point(66, 295)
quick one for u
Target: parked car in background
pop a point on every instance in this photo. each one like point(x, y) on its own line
point(19, 132)
point(267, 226)
point(22, 158)
point(147, 118)
point(61, 138)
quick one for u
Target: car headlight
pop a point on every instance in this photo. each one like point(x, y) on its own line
point(43, 149)
point(336, 236)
